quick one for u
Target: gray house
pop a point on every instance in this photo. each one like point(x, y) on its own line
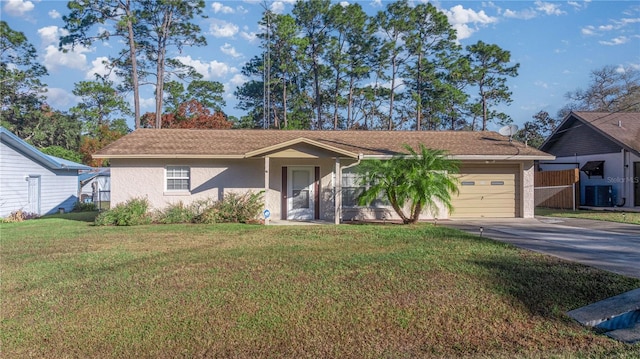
point(34, 182)
point(606, 148)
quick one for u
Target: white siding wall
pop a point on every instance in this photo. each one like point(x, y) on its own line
point(58, 189)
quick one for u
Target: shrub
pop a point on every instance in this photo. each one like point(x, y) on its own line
point(20, 215)
point(177, 213)
point(131, 213)
point(235, 208)
point(84, 207)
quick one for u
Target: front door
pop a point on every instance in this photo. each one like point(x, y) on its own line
point(636, 183)
point(33, 204)
point(300, 196)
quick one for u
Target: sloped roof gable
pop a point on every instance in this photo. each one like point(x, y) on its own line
point(49, 161)
point(622, 128)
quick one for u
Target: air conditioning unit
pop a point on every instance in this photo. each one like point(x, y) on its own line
point(598, 196)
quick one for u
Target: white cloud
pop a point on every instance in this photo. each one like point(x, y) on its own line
point(51, 35)
point(525, 14)
point(230, 50)
point(60, 98)
point(460, 15)
point(344, 3)
point(589, 30)
point(73, 59)
point(605, 27)
point(219, 7)
point(579, 5)
point(616, 41)
point(376, 3)
point(18, 7)
point(221, 28)
point(54, 14)
point(277, 7)
point(238, 79)
point(100, 66)
point(549, 8)
point(148, 103)
point(201, 67)
point(220, 69)
point(249, 36)
point(460, 18)
point(541, 84)
point(208, 70)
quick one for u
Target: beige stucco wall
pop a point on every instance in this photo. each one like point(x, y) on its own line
point(210, 179)
point(528, 200)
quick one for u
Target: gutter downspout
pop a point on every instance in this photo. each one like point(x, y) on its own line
point(625, 176)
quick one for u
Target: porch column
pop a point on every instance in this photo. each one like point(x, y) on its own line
point(337, 198)
point(266, 185)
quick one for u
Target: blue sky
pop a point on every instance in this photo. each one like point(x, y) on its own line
point(556, 43)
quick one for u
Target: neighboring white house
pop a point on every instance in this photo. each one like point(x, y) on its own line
point(308, 175)
point(606, 148)
point(34, 182)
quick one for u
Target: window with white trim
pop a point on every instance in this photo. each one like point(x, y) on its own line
point(352, 189)
point(178, 178)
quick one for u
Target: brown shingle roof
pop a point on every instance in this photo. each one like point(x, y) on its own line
point(623, 127)
point(237, 143)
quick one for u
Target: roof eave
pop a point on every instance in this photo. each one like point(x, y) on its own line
point(168, 155)
point(480, 157)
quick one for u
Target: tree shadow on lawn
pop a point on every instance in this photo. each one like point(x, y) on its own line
point(548, 286)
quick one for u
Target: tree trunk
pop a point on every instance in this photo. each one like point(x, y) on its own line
point(393, 84)
point(284, 102)
point(134, 67)
point(415, 215)
point(162, 48)
point(396, 207)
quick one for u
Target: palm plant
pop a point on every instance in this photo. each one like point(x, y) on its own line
point(422, 180)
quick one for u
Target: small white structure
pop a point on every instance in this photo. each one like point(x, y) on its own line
point(34, 182)
point(96, 185)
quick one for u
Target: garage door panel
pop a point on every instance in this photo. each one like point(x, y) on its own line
point(483, 212)
point(488, 194)
point(487, 191)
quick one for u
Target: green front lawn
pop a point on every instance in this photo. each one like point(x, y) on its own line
point(70, 289)
point(609, 216)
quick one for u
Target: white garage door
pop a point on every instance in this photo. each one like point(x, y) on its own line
point(488, 192)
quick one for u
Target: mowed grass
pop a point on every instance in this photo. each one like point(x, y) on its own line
point(599, 215)
point(70, 289)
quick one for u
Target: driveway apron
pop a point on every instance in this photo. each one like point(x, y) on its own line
point(610, 246)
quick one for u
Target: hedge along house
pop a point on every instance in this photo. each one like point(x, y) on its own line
point(309, 175)
point(606, 148)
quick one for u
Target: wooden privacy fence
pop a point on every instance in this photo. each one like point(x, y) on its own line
point(557, 189)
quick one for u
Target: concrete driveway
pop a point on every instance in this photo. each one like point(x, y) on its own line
point(606, 245)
